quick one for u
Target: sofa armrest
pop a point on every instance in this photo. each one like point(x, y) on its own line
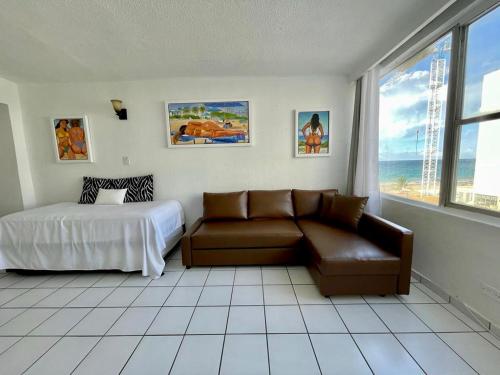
point(186, 242)
point(393, 238)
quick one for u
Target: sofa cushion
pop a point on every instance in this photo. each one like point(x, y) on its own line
point(345, 210)
point(246, 234)
point(326, 201)
point(336, 251)
point(220, 206)
point(270, 204)
point(306, 203)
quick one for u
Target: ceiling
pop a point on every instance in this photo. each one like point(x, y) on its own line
point(111, 40)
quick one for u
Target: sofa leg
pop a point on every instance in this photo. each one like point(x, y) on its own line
point(382, 295)
point(188, 267)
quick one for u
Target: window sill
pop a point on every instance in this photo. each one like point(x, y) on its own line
point(455, 212)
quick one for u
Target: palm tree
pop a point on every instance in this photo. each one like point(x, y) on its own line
point(402, 182)
point(202, 109)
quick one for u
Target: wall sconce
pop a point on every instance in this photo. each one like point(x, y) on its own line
point(120, 112)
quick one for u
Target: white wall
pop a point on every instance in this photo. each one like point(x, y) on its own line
point(9, 95)
point(10, 188)
point(184, 174)
point(456, 253)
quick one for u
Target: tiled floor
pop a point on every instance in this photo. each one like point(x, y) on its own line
point(229, 320)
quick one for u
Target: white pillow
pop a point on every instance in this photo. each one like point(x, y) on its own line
point(110, 196)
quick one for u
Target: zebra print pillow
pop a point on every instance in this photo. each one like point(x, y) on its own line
point(139, 189)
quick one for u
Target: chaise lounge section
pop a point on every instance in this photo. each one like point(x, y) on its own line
point(288, 227)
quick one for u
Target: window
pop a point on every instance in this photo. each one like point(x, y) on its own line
point(476, 177)
point(412, 118)
point(414, 136)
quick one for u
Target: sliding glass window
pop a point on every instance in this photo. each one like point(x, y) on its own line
point(416, 134)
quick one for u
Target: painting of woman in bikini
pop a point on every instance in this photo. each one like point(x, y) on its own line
point(71, 136)
point(312, 133)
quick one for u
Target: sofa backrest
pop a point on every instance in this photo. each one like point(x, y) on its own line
point(225, 206)
point(272, 204)
point(263, 204)
point(307, 203)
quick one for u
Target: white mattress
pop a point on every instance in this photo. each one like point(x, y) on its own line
point(71, 236)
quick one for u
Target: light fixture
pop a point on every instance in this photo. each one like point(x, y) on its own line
point(120, 112)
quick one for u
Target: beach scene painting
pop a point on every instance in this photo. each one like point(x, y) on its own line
point(71, 139)
point(208, 123)
point(313, 135)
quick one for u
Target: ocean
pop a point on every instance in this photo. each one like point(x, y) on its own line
point(391, 170)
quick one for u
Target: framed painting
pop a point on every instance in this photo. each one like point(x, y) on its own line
point(71, 139)
point(215, 123)
point(313, 133)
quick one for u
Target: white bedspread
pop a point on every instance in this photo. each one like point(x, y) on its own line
point(71, 236)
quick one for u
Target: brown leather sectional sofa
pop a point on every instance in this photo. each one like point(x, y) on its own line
point(285, 227)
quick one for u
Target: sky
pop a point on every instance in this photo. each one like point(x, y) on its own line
point(404, 92)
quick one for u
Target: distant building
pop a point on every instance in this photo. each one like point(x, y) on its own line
point(486, 186)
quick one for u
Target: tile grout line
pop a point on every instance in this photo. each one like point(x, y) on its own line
point(265, 321)
point(227, 319)
point(304, 321)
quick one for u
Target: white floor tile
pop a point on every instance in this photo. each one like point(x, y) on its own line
point(97, 322)
point(153, 356)
point(153, 296)
point(215, 296)
point(338, 354)
point(207, 351)
point(438, 318)
point(90, 298)
point(322, 319)
point(7, 342)
point(247, 295)
point(208, 320)
point(111, 280)
point(476, 326)
point(300, 276)
point(284, 319)
point(389, 298)
point(61, 322)
point(174, 265)
point(30, 298)
point(184, 296)
point(22, 324)
point(399, 319)
point(475, 350)
point(492, 339)
point(84, 280)
point(121, 297)
point(433, 355)
point(171, 321)
point(193, 278)
point(218, 277)
point(10, 279)
point(310, 295)
point(64, 356)
point(57, 281)
point(415, 296)
point(361, 319)
point(436, 297)
point(246, 319)
point(347, 300)
point(31, 281)
point(7, 295)
point(385, 355)
point(9, 314)
point(291, 354)
point(134, 321)
point(248, 277)
point(245, 355)
point(275, 276)
point(279, 295)
point(22, 355)
point(136, 279)
point(60, 297)
point(169, 278)
point(108, 356)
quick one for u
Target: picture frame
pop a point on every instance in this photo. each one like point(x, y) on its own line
point(313, 143)
point(209, 123)
point(71, 146)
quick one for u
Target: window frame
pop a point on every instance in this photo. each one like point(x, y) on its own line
point(454, 110)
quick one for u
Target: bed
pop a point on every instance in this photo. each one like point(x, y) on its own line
point(72, 236)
